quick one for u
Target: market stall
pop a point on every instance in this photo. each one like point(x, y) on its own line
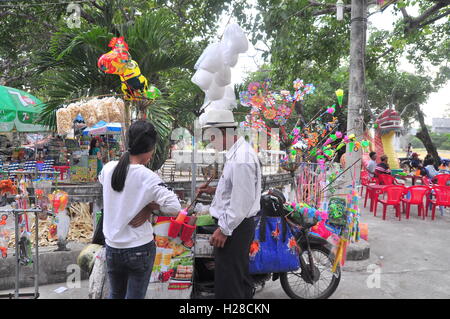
point(19, 111)
point(112, 136)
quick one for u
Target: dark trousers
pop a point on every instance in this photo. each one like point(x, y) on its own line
point(232, 277)
point(129, 270)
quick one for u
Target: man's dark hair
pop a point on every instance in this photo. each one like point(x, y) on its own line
point(428, 161)
point(371, 154)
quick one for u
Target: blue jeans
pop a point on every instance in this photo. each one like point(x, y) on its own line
point(129, 270)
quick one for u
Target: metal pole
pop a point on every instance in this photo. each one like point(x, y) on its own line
point(107, 143)
point(36, 258)
point(16, 226)
point(193, 167)
point(356, 82)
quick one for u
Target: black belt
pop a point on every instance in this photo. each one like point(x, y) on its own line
point(217, 221)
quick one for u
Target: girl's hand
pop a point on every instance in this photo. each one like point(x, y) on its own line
point(143, 215)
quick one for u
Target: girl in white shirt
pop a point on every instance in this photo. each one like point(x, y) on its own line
point(130, 193)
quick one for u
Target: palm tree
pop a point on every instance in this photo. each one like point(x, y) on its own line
point(69, 68)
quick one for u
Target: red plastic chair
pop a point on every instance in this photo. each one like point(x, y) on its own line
point(386, 179)
point(426, 181)
point(365, 181)
point(394, 198)
point(417, 194)
point(441, 179)
point(442, 194)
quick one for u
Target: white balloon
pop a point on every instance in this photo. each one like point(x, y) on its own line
point(211, 59)
point(215, 92)
point(235, 38)
point(218, 105)
point(223, 77)
point(203, 79)
point(230, 97)
point(202, 119)
point(230, 58)
point(206, 103)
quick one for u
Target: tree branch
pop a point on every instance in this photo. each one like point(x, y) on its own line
point(384, 54)
point(413, 23)
point(87, 17)
point(446, 13)
point(95, 4)
point(5, 13)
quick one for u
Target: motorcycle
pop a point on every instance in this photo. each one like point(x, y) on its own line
point(313, 280)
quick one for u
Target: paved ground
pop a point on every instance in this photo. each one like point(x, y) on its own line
point(413, 256)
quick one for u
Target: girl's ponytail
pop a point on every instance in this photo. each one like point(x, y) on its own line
point(120, 173)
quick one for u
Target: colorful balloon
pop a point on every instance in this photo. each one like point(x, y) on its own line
point(340, 96)
point(118, 61)
point(153, 92)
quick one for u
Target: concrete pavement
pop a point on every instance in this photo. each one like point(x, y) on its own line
point(413, 257)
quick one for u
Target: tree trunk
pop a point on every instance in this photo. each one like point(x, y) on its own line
point(356, 100)
point(424, 136)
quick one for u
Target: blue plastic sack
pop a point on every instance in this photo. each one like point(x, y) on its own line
point(276, 250)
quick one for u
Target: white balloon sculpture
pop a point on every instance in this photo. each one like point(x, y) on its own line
point(213, 67)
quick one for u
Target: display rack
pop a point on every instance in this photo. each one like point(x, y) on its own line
point(17, 213)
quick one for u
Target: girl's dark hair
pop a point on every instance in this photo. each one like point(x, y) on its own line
point(92, 145)
point(142, 138)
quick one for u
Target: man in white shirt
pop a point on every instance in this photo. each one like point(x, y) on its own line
point(236, 202)
point(372, 165)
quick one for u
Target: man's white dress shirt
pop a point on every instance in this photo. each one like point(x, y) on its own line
point(238, 192)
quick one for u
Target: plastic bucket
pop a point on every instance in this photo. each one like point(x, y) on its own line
point(187, 232)
point(174, 228)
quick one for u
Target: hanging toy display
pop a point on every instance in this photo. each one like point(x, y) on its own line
point(118, 61)
point(22, 202)
point(274, 105)
point(7, 187)
point(343, 222)
point(58, 201)
point(340, 96)
point(42, 188)
point(4, 236)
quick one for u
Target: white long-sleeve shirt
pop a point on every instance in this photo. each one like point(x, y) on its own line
point(371, 166)
point(142, 186)
point(238, 192)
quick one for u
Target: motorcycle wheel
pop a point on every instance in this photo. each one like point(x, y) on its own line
point(325, 283)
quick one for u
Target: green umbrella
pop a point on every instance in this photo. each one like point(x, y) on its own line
point(19, 110)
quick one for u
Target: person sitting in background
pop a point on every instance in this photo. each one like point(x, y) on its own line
point(415, 161)
point(430, 168)
point(383, 166)
point(371, 166)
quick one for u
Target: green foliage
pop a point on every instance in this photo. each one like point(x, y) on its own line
point(305, 40)
point(67, 70)
point(440, 140)
point(399, 90)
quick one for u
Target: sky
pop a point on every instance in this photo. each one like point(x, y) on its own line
point(248, 62)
